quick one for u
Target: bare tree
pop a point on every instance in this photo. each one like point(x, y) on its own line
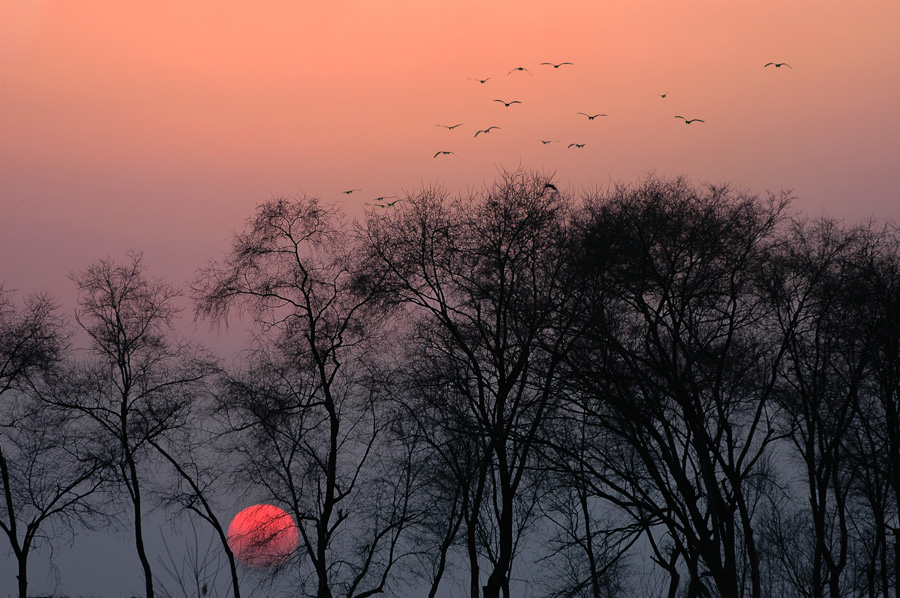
point(141, 381)
point(679, 366)
point(822, 308)
point(46, 476)
point(483, 278)
point(202, 479)
point(304, 412)
point(879, 279)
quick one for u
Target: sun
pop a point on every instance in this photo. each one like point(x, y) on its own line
point(262, 536)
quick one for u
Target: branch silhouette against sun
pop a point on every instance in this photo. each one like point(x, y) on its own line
point(305, 390)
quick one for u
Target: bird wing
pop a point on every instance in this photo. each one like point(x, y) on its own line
point(768, 64)
point(681, 117)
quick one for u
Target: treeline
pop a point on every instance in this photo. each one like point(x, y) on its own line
point(658, 390)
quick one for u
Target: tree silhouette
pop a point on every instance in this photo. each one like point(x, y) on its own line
point(140, 384)
point(304, 412)
point(679, 367)
point(46, 473)
point(482, 278)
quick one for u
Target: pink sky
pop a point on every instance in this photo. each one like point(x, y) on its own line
point(159, 125)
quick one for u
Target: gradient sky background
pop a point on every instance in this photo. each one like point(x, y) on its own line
point(159, 126)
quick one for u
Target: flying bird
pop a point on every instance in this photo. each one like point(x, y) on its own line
point(546, 141)
point(591, 117)
point(482, 81)
point(663, 95)
point(689, 121)
point(519, 68)
point(375, 201)
point(578, 145)
point(349, 191)
point(778, 65)
point(488, 130)
point(450, 127)
point(443, 152)
point(507, 104)
point(556, 66)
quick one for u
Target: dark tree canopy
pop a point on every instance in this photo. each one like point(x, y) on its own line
point(661, 389)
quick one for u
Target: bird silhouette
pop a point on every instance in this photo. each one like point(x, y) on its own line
point(450, 127)
point(519, 68)
point(546, 141)
point(689, 121)
point(381, 199)
point(556, 66)
point(390, 203)
point(778, 65)
point(550, 186)
point(482, 81)
point(578, 145)
point(349, 191)
point(663, 95)
point(442, 152)
point(591, 117)
point(507, 104)
point(488, 130)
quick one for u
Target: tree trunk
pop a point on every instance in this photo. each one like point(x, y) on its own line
point(139, 531)
point(22, 576)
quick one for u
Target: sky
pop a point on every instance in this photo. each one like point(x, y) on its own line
point(158, 126)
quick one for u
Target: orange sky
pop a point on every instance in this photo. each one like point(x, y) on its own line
point(159, 125)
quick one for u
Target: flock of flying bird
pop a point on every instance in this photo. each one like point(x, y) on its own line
point(381, 202)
